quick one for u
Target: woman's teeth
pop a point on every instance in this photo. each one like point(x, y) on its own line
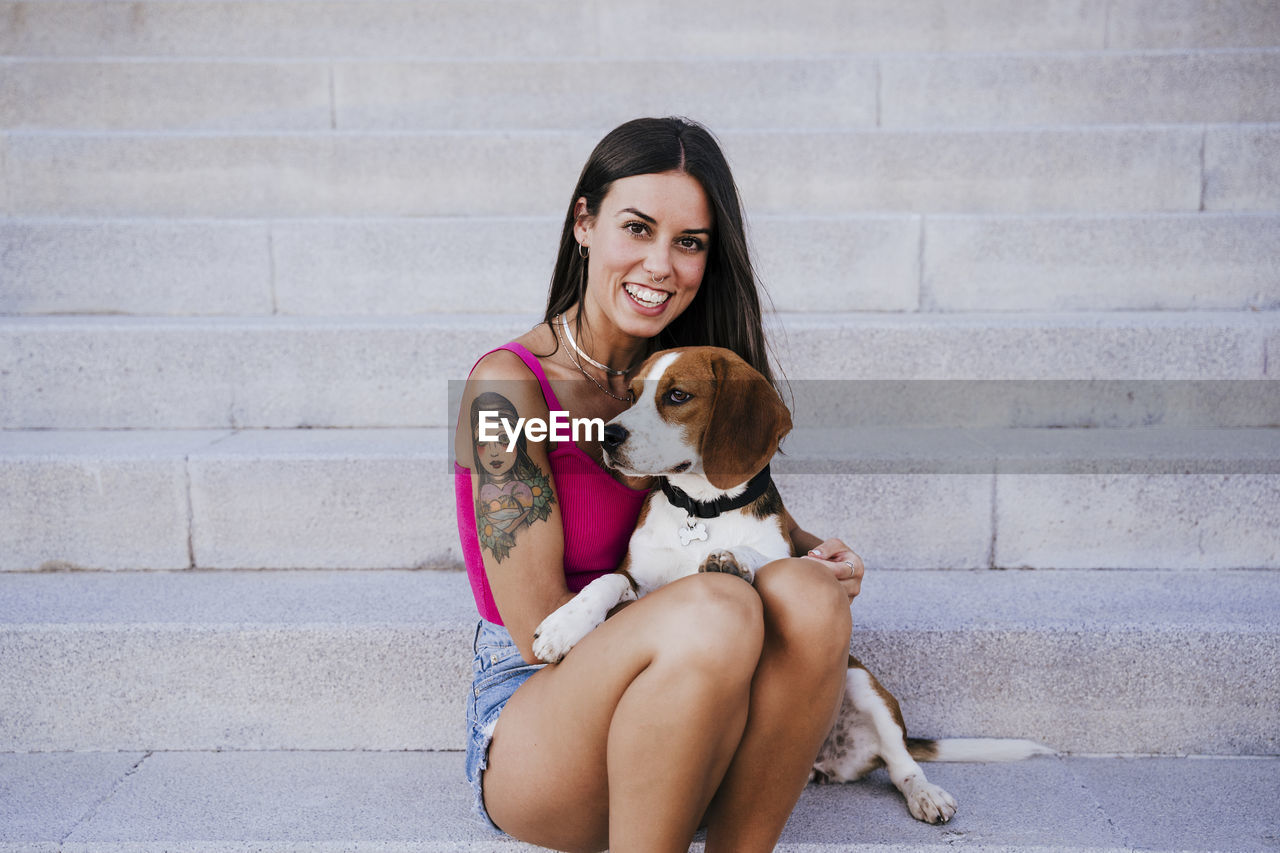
point(645, 296)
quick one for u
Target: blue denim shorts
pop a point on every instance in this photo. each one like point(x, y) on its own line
point(497, 671)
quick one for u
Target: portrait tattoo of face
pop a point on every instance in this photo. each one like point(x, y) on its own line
point(514, 492)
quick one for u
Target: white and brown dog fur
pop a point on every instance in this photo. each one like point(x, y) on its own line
point(708, 423)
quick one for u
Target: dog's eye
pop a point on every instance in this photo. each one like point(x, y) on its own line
point(675, 395)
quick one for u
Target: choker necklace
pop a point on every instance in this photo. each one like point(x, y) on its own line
point(606, 368)
point(583, 370)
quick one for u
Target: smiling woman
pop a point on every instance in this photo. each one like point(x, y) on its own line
point(680, 709)
point(665, 185)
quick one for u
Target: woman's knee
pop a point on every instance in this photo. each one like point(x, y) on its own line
point(714, 620)
point(804, 605)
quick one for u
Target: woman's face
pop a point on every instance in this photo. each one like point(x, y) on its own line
point(495, 458)
point(648, 247)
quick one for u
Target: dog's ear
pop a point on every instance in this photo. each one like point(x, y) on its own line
point(747, 421)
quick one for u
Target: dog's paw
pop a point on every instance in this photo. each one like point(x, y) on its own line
point(929, 803)
point(727, 563)
point(559, 633)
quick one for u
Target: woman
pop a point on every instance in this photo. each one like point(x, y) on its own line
point(704, 703)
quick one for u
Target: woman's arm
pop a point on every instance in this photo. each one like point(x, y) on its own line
point(516, 499)
point(833, 553)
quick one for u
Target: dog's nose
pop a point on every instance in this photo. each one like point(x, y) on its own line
point(614, 435)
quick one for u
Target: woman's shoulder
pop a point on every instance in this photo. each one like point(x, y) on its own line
point(502, 364)
point(499, 365)
point(504, 376)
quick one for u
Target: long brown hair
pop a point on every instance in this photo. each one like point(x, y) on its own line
point(726, 311)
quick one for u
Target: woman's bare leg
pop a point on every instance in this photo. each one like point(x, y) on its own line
point(794, 700)
point(624, 742)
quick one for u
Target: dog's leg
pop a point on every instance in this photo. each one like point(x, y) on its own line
point(576, 618)
point(925, 800)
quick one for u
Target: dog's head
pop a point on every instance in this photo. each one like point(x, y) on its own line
point(699, 412)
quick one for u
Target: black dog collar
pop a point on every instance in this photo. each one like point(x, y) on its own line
point(756, 487)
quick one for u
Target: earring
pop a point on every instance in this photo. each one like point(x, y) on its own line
point(583, 251)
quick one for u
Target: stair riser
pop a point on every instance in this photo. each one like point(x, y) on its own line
point(337, 688)
point(176, 374)
point(841, 93)
point(379, 501)
point(822, 264)
point(469, 29)
point(1103, 170)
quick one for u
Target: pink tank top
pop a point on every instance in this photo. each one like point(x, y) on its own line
point(598, 513)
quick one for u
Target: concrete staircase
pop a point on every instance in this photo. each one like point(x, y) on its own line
point(249, 247)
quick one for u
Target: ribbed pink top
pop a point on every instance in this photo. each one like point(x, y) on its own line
point(598, 513)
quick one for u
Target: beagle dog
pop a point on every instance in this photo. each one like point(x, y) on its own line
point(706, 424)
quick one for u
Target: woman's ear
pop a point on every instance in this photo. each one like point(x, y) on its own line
point(582, 222)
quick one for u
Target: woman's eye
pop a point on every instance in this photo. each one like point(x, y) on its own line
point(675, 395)
point(692, 244)
point(637, 228)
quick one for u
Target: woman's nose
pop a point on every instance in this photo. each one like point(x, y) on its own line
point(658, 264)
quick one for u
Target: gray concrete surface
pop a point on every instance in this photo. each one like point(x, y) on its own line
point(1072, 88)
point(842, 91)
point(290, 372)
point(108, 500)
point(290, 29)
point(456, 29)
point(99, 95)
point(1140, 521)
point(1085, 661)
point(413, 801)
point(1157, 24)
point(867, 262)
point(46, 796)
point(1174, 262)
point(1241, 171)
point(1025, 345)
point(325, 499)
point(55, 266)
point(909, 497)
point(1070, 170)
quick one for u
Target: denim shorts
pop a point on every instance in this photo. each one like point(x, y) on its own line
point(497, 671)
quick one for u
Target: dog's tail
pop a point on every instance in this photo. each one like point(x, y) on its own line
point(975, 749)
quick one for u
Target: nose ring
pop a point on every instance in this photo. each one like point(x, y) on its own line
point(657, 280)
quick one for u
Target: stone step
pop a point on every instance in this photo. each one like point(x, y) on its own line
point(1077, 88)
point(387, 372)
point(1086, 662)
point(344, 267)
point(1091, 170)
point(830, 93)
point(486, 28)
point(918, 498)
point(419, 801)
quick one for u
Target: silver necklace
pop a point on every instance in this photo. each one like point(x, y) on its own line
point(583, 370)
point(606, 368)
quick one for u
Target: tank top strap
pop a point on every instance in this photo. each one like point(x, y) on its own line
point(530, 361)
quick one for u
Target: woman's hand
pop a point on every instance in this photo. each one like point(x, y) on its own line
point(846, 565)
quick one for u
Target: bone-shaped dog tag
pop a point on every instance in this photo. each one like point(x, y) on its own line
point(692, 531)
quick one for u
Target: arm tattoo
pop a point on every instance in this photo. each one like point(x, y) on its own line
point(513, 490)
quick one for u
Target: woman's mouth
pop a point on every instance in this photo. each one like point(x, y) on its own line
point(646, 296)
